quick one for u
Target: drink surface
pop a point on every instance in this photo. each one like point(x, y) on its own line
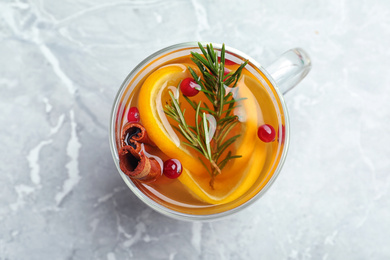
point(241, 178)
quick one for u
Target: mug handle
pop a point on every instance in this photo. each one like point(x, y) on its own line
point(290, 68)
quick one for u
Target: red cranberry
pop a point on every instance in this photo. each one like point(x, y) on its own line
point(189, 87)
point(266, 133)
point(133, 115)
point(226, 71)
point(172, 168)
point(227, 62)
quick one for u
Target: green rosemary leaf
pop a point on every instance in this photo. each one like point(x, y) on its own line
point(207, 92)
point(193, 73)
point(227, 96)
point(202, 60)
point(227, 123)
point(210, 57)
point(228, 157)
point(185, 134)
point(208, 110)
point(209, 78)
point(176, 128)
point(223, 163)
point(216, 59)
point(235, 100)
point(197, 118)
point(192, 146)
point(209, 97)
point(177, 107)
point(221, 96)
point(229, 81)
point(225, 119)
point(223, 56)
point(202, 146)
point(230, 108)
point(229, 127)
point(170, 111)
point(199, 59)
point(202, 49)
point(200, 82)
point(238, 72)
point(225, 145)
point(204, 165)
point(210, 53)
point(172, 116)
point(193, 128)
point(192, 103)
point(196, 78)
point(206, 133)
point(200, 66)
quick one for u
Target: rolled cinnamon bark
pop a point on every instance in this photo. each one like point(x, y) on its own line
point(132, 160)
point(135, 164)
point(136, 132)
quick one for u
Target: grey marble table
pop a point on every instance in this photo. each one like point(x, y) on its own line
point(61, 63)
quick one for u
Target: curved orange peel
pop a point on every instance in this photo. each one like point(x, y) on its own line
point(164, 77)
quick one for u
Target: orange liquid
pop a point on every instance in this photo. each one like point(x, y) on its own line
point(172, 194)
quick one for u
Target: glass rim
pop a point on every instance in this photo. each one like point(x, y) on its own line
point(176, 214)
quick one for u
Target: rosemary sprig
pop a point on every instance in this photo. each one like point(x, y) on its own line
point(212, 84)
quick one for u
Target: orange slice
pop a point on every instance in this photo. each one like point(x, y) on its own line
point(152, 98)
point(235, 180)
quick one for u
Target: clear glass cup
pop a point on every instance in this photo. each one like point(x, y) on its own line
point(278, 78)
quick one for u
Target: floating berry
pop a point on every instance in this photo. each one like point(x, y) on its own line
point(189, 87)
point(266, 133)
point(227, 62)
point(133, 115)
point(226, 71)
point(172, 168)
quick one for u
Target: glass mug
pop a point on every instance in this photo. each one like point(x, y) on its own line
point(277, 79)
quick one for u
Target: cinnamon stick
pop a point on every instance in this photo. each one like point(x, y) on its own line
point(136, 132)
point(135, 164)
point(132, 159)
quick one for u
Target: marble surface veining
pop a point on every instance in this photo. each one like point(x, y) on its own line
point(61, 63)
